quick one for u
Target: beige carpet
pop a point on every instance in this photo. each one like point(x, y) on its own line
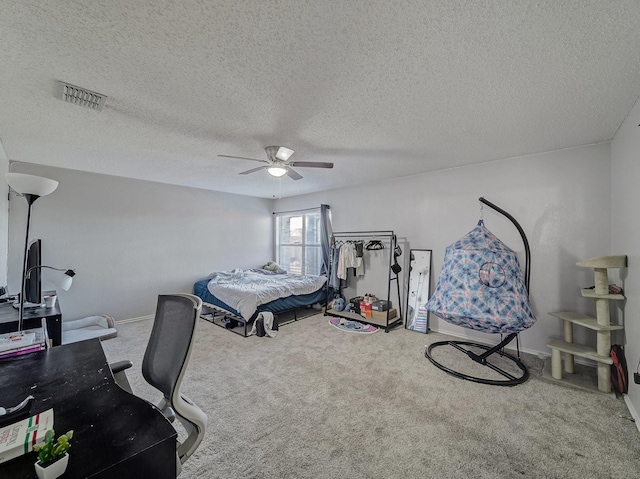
point(316, 402)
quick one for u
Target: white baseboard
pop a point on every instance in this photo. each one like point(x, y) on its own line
point(133, 320)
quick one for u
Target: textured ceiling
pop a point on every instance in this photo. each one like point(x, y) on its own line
point(381, 88)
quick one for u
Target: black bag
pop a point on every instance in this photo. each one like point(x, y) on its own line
point(619, 373)
point(395, 267)
point(260, 332)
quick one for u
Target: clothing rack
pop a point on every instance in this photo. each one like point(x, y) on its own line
point(387, 239)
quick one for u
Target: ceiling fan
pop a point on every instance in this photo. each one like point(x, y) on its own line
point(278, 163)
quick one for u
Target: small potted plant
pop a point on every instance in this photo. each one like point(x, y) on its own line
point(52, 456)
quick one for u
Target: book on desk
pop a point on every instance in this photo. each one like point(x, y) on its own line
point(19, 438)
point(23, 342)
point(32, 318)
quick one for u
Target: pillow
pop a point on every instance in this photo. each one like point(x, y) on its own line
point(272, 266)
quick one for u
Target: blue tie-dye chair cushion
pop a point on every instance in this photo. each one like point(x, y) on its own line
point(481, 286)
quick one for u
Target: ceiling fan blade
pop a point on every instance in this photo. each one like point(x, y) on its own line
point(294, 175)
point(243, 158)
point(311, 164)
point(253, 170)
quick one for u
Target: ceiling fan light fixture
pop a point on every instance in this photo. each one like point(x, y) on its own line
point(277, 171)
point(284, 153)
point(278, 164)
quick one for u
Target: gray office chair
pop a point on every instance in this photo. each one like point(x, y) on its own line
point(165, 362)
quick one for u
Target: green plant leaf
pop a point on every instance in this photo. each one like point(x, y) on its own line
point(49, 435)
point(49, 451)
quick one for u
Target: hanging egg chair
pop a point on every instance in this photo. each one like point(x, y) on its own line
point(481, 287)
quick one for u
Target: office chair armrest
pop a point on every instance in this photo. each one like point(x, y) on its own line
point(194, 422)
point(118, 369)
point(120, 366)
point(165, 406)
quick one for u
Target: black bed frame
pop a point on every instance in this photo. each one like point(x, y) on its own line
point(221, 317)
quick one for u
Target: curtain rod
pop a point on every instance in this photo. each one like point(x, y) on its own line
point(298, 211)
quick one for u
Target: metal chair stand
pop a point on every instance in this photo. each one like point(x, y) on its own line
point(510, 379)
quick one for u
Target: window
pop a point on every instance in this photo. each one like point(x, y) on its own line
point(298, 249)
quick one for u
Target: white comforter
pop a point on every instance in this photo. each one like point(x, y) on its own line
point(245, 290)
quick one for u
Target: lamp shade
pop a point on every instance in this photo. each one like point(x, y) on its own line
point(276, 171)
point(63, 281)
point(30, 184)
point(284, 153)
point(59, 277)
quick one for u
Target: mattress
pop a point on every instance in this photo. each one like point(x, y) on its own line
point(276, 306)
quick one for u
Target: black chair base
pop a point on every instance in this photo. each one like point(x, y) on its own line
point(510, 379)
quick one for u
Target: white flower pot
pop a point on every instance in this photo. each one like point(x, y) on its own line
point(53, 470)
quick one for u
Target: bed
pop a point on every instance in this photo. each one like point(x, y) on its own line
point(232, 299)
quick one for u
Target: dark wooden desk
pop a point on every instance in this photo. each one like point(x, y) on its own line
point(116, 434)
point(32, 318)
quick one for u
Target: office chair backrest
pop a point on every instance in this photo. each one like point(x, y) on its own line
point(170, 342)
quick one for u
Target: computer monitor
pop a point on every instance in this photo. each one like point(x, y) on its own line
point(33, 284)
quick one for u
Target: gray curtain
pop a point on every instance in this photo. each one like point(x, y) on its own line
point(325, 234)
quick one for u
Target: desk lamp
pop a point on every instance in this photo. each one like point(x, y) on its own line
point(31, 188)
point(63, 281)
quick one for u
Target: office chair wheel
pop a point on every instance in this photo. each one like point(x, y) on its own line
point(510, 379)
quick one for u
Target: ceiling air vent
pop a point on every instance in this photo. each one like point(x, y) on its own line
point(80, 96)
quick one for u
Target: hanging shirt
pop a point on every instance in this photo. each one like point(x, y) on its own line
point(341, 267)
point(349, 259)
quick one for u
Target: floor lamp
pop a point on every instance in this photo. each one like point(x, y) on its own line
point(31, 188)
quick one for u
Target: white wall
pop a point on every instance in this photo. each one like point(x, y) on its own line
point(561, 199)
point(131, 240)
point(625, 179)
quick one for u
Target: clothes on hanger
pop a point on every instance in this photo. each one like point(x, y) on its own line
point(349, 255)
point(349, 259)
